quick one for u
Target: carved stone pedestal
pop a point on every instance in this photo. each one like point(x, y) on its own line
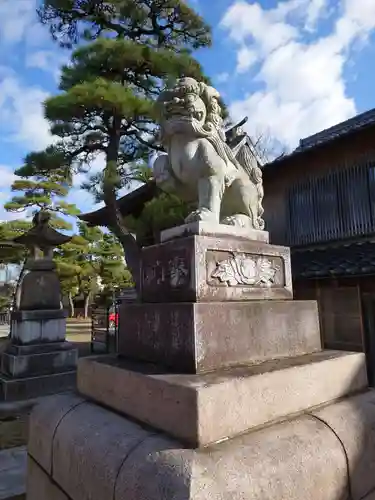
point(221, 391)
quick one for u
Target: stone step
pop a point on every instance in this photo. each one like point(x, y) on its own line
point(206, 408)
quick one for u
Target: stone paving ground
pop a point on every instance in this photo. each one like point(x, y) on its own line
point(13, 473)
point(12, 432)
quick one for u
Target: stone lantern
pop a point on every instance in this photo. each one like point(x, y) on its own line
point(38, 359)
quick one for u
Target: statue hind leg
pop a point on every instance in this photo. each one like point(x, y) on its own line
point(210, 193)
point(242, 205)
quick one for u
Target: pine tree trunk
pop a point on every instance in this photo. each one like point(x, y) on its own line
point(71, 305)
point(115, 222)
point(86, 306)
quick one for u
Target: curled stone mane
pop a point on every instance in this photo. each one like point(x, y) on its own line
point(212, 131)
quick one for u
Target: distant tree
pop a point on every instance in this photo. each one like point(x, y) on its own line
point(11, 260)
point(267, 147)
point(93, 261)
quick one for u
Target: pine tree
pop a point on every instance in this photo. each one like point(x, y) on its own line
point(43, 185)
point(8, 231)
point(157, 23)
point(106, 105)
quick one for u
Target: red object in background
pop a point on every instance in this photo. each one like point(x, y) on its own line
point(113, 318)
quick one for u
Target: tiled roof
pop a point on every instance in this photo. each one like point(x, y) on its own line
point(355, 123)
point(349, 126)
point(345, 260)
point(132, 203)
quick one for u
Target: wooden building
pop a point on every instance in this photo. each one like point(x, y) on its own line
point(320, 201)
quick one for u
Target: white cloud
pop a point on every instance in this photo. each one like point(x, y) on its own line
point(222, 77)
point(246, 58)
point(315, 9)
point(21, 109)
point(47, 60)
point(301, 76)
point(7, 177)
point(18, 22)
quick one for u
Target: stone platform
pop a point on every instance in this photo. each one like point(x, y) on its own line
point(78, 450)
point(220, 391)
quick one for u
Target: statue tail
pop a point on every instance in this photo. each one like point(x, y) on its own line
point(260, 221)
point(249, 163)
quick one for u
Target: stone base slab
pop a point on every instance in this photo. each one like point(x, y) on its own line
point(192, 338)
point(211, 229)
point(38, 314)
point(212, 268)
point(187, 407)
point(23, 350)
point(83, 451)
point(12, 389)
point(35, 364)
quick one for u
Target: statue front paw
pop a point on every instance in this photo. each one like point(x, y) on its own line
point(202, 214)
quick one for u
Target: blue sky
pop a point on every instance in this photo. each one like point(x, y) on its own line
point(294, 67)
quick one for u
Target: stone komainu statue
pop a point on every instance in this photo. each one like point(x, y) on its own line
point(218, 171)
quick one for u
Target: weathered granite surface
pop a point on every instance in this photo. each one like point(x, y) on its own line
point(192, 338)
point(17, 389)
point(353, 422)
point(23, 350)
point(303, 457)
point(37, 328)
point(40, 289)
point(39, 363)
point(186, 406)
point(40, 486)
point(212, 268)
point(201, 228)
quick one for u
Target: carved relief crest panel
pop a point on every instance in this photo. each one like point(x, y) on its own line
point(244, 270)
